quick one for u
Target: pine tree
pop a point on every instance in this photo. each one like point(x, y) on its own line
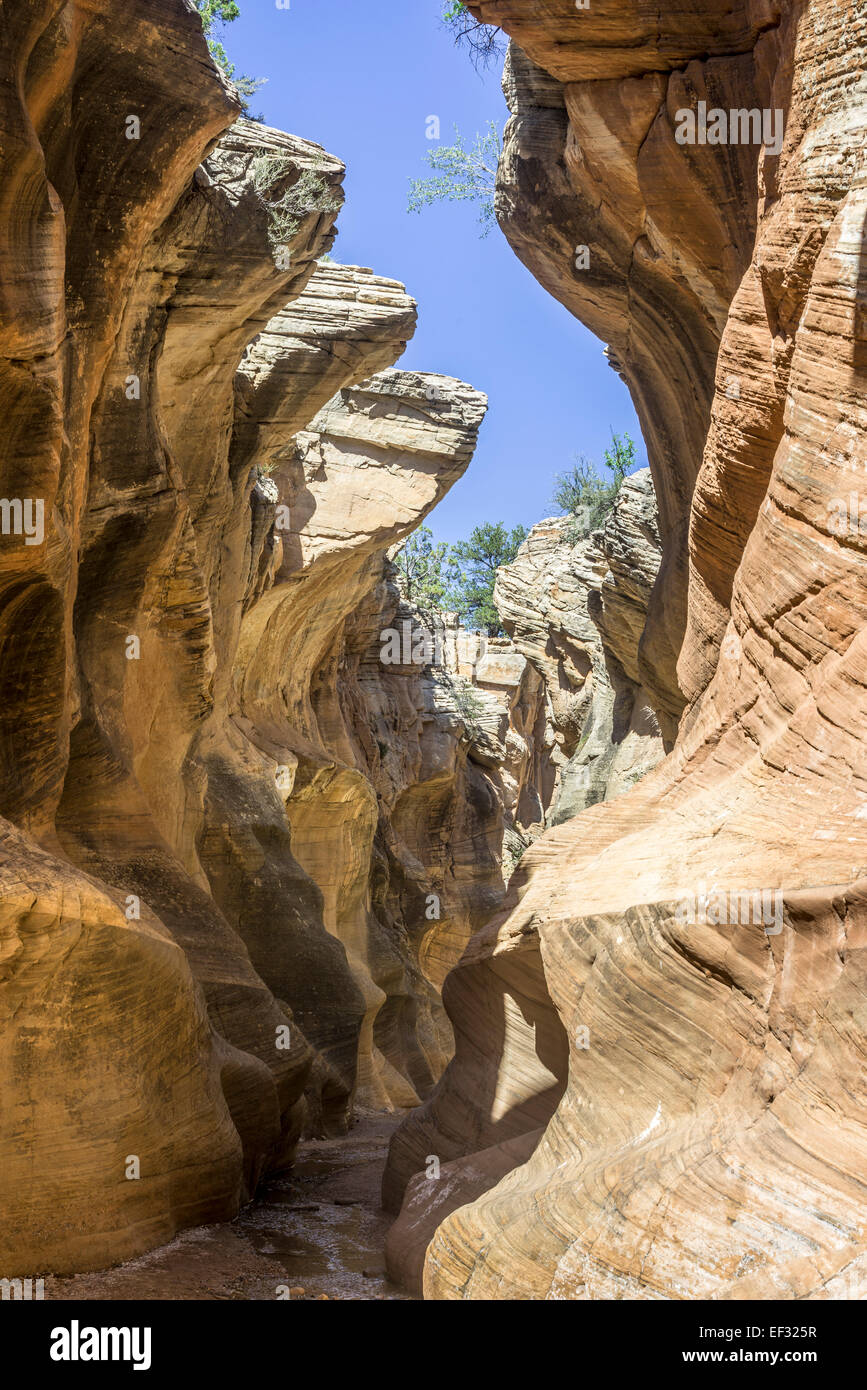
point(489, 546)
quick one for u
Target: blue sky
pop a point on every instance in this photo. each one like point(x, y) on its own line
point(361, 77)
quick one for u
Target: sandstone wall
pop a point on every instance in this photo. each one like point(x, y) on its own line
point(569, 724)
point(347, 746)
point(576, 609)
point(699, 1129)
point(205, 946)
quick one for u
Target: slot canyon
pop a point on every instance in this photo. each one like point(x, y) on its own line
point(331, 968)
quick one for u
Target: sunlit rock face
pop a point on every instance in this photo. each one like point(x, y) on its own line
point(346, 740)
point(94, 248)
point(707, 1136)
point(203, 946)
point(645, 239)
point(576, 608)
point(575, 727)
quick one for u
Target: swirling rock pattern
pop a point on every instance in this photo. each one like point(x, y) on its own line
point(190, 972)
point(344, 743)
point(708, 1134)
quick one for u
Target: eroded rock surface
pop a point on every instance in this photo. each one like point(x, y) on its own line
point(703, 1115)
point(202, 941)
point(576, 609)
point(344, 745)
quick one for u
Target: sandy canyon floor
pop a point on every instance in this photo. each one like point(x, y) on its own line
point(319, 1229)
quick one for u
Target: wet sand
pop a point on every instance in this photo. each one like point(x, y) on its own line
point(318, 1228)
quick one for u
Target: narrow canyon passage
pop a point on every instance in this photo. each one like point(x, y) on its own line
point(316, 1232)
point(531, 864)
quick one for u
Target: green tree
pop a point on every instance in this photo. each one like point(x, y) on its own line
point(482, 41)
point(585, 494)
point(469, 705)
point(214, 14)
point(427, 571)
point(287, 210)
point(461, 175)
point(620, 458)
point(479, 558)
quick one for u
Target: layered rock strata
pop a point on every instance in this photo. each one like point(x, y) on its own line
point(204, 461)
point(699, 941)
point(576, 609)
point(374, 460)
point(501, 699)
